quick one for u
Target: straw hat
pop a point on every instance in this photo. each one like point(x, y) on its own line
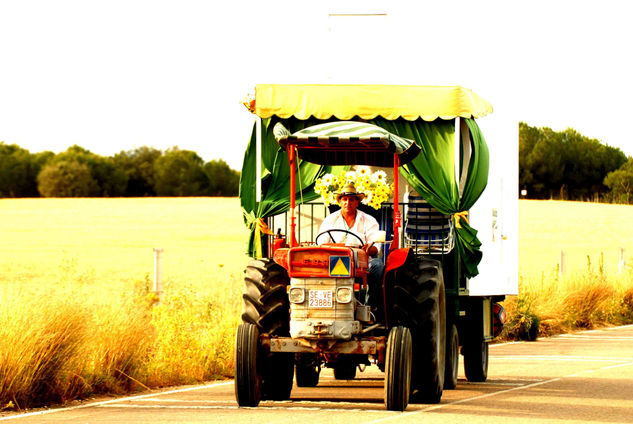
point(349, 189)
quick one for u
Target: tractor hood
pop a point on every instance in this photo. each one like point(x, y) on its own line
point(347, 143)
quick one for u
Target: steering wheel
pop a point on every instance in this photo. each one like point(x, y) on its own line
point(316, 240)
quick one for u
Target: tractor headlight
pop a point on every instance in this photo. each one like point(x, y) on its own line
point(344, 295)
point(296, 295)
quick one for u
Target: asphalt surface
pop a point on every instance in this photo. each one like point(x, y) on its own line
point(576, 378)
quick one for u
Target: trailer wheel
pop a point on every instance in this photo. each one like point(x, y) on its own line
point(307, 370)
point(266, 303)
point(417, 302)
point(248, 382)
point(452, 358)
point(398, 369)
point(476, 361)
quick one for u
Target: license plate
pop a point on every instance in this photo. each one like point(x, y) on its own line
point(320, 299)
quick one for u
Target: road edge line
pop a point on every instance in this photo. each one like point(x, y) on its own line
point(107, 402)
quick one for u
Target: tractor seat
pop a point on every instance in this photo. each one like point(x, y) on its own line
point(426, 230)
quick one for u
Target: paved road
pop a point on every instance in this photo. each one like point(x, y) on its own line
point(583, 377)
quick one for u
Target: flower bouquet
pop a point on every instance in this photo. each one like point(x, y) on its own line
point(375, 186)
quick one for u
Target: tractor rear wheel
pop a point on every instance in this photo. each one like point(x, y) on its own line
point(452, 358)
point(476, 361)
point(307, 370)
point(266, 306)
point(266, 303)
point(418, 302)
point(248, 381)
point(398, 369)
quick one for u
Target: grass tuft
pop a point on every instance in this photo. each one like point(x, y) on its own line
point(552, 305)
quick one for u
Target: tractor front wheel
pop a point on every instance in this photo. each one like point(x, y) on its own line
point(307, 370)
point(345, 369)
point(279, 368)
point(248, 381)
point(398, 369)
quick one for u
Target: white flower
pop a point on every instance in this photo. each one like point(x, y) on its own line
point(350, 176)
point(379, 176)
point(363, 171)
point(327, 179)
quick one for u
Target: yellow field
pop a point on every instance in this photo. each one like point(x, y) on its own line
point(110, 241)
point(579, 229)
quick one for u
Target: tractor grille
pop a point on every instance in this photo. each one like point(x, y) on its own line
point(320, 314)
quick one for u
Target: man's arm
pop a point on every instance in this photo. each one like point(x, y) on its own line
point(371, 234)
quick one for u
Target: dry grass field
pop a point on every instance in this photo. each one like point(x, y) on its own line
point(75, 295)
point(77, 315)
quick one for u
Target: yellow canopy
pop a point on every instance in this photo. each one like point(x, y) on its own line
point(367, 101)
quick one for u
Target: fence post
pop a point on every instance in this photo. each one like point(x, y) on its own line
point(621, 262)
point(561, 268)
point(158, 277)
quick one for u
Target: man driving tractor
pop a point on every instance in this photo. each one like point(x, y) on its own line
point(361, 224)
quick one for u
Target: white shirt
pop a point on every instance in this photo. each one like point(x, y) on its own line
point(365, 226)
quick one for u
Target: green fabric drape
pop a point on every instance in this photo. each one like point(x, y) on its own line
point(275, 177)
point(432, 174)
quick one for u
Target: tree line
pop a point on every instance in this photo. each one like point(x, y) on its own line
point(144, 171)
point(566, 165)
point(552, 165)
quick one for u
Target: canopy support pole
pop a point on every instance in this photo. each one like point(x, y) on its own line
point(395, 243)
point(291, 160)
point(258, 159)
point(457, 146)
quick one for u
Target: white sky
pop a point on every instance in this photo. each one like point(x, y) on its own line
point(114, 75)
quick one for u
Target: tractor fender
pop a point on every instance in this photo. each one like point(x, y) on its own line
point(395, 260)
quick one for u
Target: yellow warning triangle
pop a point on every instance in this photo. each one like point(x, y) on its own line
point(339, 268)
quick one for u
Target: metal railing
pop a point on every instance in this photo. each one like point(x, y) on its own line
point(424, 229)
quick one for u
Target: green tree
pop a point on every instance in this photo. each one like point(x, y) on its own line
point(620, 182)
point(138, 165)
point(180, 173)
point(67, 178)
point(19, 169)
point(14, 171)
point(223, 181)
point(564, 164)
point(111, 180)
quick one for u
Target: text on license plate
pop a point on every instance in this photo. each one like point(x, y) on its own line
point(320, 299)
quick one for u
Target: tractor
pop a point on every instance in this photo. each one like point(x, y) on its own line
point(305, 302)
